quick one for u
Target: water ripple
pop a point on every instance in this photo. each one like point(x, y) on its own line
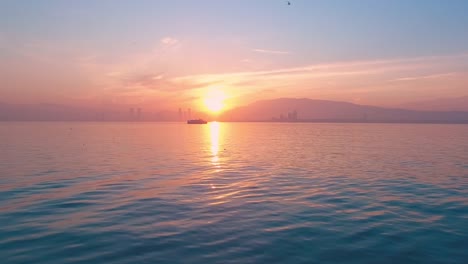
point(331, 194)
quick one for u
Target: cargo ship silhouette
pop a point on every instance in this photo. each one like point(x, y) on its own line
point(196, 121)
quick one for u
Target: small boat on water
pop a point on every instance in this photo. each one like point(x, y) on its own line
point(196, 121)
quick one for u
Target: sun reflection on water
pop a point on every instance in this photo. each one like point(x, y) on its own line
point(214, 139)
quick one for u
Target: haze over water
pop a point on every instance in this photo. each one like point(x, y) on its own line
point(233, 193)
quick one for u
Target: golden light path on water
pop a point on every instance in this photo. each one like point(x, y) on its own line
point(214, 136)
point(226, 191)
point(214, 147)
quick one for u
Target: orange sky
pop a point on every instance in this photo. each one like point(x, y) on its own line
point(136, 61)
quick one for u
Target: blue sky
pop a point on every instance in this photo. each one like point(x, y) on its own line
point(82, 41)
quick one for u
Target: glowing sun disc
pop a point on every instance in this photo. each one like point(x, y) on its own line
point(214, 100)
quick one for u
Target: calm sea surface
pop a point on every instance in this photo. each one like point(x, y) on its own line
point(233, 193)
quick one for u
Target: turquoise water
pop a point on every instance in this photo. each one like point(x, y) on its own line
point(233, 193)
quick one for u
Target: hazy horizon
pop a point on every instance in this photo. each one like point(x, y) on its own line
point(275, 110)
point(241, 131)
point(216, 55)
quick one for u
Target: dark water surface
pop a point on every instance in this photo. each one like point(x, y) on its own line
point(233, 193)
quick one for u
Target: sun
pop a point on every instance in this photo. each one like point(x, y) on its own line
point(214, 100)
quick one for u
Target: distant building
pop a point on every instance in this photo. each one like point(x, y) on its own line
point(290, 117)
point(138, 116)
point(294, 115)
point(131, 113)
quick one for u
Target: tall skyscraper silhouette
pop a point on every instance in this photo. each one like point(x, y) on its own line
point(138, 116)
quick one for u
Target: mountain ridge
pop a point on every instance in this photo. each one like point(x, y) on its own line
point(439, 104)
point(305, 109)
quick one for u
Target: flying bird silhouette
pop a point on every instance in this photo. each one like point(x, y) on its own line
point(289, 3)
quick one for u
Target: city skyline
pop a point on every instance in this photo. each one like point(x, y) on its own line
point(274, 110)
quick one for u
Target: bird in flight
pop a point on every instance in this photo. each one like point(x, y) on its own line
point(289, 3)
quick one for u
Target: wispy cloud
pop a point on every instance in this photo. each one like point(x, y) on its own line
point(422, 77)
point(276, 52)
point(169, 41)
point(150, 74)
point(333, 78)
point(308, 71)
point(154, 82)
point(348, 68)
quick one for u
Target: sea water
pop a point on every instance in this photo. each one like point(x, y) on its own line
point(233, 193)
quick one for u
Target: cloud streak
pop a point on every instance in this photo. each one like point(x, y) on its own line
point(169, 41)
point(334, 78)
point(157, 73)
point(275, 52)
point(431, 76)
point(350, 68)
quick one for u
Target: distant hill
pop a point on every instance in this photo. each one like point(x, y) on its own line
point(442, 104)
point(284, 109)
